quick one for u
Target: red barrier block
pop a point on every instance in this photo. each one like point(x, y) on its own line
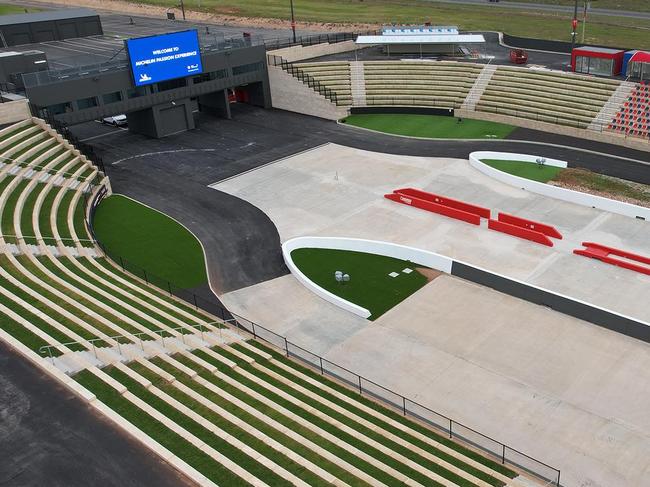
point(602, 253)
point(547, 230)
point(445, 201)
point(520, 232)
point(435, 208)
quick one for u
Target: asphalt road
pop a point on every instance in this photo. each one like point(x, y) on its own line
point(242, 244)
point(48, 437)
point(543, 7)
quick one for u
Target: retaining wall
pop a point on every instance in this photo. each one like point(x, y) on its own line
point(513, 287)
point(555, 129)
point(300, 53)
point(576, 197)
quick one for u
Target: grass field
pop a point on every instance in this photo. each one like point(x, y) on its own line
point(430, 126)
point(614, 31)
point(523, 169)
point(6, 9)
point(576, 178)
point(631, 5)
point(150, 240)
point(370, 285)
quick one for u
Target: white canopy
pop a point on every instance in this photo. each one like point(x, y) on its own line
point(422, 39)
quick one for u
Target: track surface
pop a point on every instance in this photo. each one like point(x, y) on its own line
point(50, 437)
point(241, 243)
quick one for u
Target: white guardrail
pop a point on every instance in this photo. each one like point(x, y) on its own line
point(387, 249)
point(577, 197)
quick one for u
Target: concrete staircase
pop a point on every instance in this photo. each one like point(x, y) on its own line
point(291, 94)
point(358, 84)
point(475, 93)
point(612, 106)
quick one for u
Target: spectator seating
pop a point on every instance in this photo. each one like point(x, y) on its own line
point(54, 288)
point(563, 99)
point(419, 83)
point(334, 75)
point(235, 411)
point(245, 415)
point(633, 118)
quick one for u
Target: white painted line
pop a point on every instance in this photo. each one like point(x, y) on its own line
point(146, 154)
point(104, 135)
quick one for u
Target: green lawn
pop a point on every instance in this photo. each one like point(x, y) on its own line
point(6, 9)
point(430, 126)
point(528, 170)
point(614, 31)
point(151, 240)
point(370, 286)
point(577, 179)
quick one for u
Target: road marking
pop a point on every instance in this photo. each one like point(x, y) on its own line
point(147, 154)
point(104, 135)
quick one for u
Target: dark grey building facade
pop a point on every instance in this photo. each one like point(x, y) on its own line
point(155, 110)
point(51, 25)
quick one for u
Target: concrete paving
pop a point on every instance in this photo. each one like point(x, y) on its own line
point(562, 390)
point(338, 191)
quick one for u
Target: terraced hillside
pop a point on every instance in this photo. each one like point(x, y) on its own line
point(223, 409)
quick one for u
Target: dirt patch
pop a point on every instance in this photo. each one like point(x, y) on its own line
point(227, 17)
point(430, 274)
point(606, 186)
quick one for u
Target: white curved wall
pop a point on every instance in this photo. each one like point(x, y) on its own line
point(564, 194)
point(417, 256)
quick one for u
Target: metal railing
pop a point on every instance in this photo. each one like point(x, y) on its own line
point(133, 339)
point(498, 451)
point(303, 76)
point(86, 149)
point(454, 430)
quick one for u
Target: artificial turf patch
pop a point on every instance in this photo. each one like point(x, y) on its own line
point(370, 285)
point(150, 240)
point(523, 169)
point(430, 126)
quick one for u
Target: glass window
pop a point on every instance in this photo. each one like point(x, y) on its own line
point(58, 108)
point(137, 91)
point(600, 66)
point(112, 97)
point(246, 68)
point(89, 102)
point(172, 84)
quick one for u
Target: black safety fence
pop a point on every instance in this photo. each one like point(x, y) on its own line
point(86, 149)
point(209, 303)
point(303, 76)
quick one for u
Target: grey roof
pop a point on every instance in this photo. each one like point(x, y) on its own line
point(605, 50)
point(46, 16)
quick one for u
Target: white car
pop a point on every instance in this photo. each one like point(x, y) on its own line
point(116, 120)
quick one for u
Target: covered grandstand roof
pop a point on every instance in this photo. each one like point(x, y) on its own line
point(422, 39)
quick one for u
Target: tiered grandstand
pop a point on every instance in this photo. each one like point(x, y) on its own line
point(563, 99)
point(234, 411)
point(334, 75)
point(431, 84)
point(553, 97)
point(633, 118)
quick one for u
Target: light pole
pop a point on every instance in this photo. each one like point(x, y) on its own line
point(183, 9)
point(293, 23)
point(574, 25)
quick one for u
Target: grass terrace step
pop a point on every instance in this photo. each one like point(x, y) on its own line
point(264, 410)
point(159, 432)
point(389, 413)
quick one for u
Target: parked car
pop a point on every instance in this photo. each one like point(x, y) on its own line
point(116, 120)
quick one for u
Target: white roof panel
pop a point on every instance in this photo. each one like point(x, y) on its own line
point(422, 39)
